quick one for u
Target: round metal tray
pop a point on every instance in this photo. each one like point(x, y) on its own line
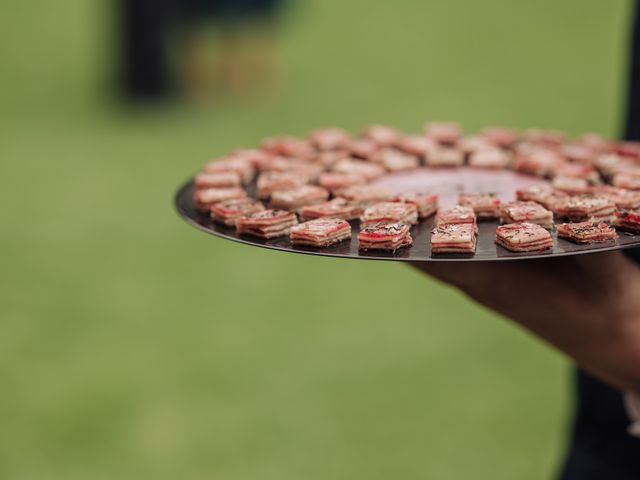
point(447, 184)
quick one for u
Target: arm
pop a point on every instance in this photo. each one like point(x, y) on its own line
point(587, 306)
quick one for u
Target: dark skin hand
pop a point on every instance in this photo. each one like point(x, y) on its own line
point(587, 306)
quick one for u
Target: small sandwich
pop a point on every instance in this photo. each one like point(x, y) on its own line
point(628, 220)
point(629, 149)
point(217, 180)
point(485, 205)
point(500, 136)
point(531, 212)
point(578, 154)
point(363, 195)
point(240, 165)
point(269, 182)
point(586, 232)
point(389, 212)
point(523, 237)
point(453, 238)
point(426, 203)
point(296, 198)
point(252, 155)
point(535, 160)
point(266, 224)
point(457, 214)
point(417, 145)
point(595, 142)
point(384, 236)
point(578, 170)
point(327, 158)
point(623, 198)
point(320, 232)
point(545, 196)
point(382, 135)
point(609, 163)
point(363, 148)
point(583, 207)
point(330, 138)
point(445, 157)
point(368, 170)
point(626, 180)
point(572, 185)
point(492, 158)
point(207, 197)
point(336, 180)
point(550, 138)
point(472, 144)
point(396, 161)
point(444, 133)
point(310, 170)
point(229, 211)
point(273, 163)
point(336, 208)
point(287, 146)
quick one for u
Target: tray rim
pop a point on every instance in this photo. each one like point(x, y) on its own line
point(180, 193)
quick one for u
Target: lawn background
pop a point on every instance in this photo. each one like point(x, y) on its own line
point(135, 347)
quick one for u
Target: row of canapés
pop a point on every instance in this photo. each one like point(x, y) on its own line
point(386, 225)
point(334, 159)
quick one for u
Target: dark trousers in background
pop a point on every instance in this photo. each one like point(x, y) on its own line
point(144, 66)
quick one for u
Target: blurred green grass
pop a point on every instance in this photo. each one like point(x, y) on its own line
point(134, 347)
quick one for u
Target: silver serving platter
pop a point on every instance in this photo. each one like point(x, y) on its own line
point(447, 184)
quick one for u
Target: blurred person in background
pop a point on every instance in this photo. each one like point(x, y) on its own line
point(167, 44)
point(588, 307)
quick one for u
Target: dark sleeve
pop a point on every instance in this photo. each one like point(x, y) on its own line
point(632, 129)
